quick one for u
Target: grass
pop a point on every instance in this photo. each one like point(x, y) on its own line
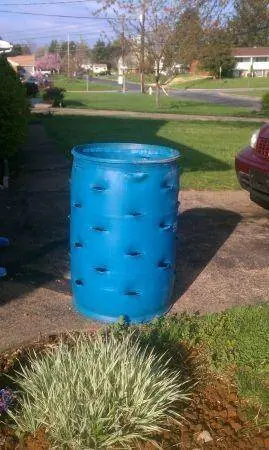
point(99, 392)
point(74, 84)
point(236, 343)
point(149, 78)
point(146, 103)
point(255, 93)
point(224, 83)
point(207, 148)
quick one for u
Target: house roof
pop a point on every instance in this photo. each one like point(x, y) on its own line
point(23, 60)
point(100, 64)
point(251, 51)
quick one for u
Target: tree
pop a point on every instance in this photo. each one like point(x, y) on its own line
point(107, 53)
point(13, 111)
point(188, 36)
point(20, 49)
point(50, 61)
point(100, 52)
point(152, 36)
point(54, 46)
point(41, 51)
point(216, 52)
point(250, 24)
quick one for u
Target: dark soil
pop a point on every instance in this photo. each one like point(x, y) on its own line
point(215, 409)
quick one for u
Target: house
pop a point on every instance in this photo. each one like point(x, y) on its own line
point(251, 60)
point(25, 62)
point(96, 68)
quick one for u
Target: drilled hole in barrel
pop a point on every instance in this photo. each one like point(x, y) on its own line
point(79, 282)
point(135, 214)
point(77, 205)
point(99, 229)
point(167, 185)
point(101, 269)
point(78, 244)
point(133, 253)
point(98, 188)
point(165, 226)
point(131, 293)
point(164, 264)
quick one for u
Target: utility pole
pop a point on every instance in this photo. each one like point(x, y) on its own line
point(123, 52)
point(142, 48)
point(68, 55)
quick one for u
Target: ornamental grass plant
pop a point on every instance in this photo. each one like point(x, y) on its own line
point(101, 391)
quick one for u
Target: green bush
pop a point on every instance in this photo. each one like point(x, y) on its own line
point(265, 103)
point(14, 110)
point(99, 392)
point(54, 95)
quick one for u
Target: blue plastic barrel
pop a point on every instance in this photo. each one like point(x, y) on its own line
point(124, 205)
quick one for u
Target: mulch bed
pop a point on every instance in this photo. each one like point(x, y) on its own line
point(215, 418)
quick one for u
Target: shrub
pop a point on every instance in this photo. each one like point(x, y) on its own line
point(99, 392)
point(54, 95)
point(265, 103)
point(13, 110)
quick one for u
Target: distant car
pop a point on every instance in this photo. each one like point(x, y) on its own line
point(252, 167)
point(31, 79)
point(32, 86)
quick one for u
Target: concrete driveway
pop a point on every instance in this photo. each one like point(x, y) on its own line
point(222, 253)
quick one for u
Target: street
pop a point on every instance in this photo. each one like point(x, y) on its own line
point(202, 95)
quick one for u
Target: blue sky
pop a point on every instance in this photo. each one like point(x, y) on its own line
point(38, 30)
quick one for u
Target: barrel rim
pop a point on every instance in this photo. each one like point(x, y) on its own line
point(77, 153)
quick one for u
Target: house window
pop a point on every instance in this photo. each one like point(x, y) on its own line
point(261, 59)
point(243, 59)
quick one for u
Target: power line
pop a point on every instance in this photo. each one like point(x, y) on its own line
point(63, 16)
point(53, 15)
point(45, 3)
point(44, 29)
point(56, 35)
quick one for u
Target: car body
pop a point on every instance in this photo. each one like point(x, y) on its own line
point(31, 85)
point(252, 167)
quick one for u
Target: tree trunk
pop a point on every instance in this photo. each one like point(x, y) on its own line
point(157, 97)
point(142, 49)
point(157, 94)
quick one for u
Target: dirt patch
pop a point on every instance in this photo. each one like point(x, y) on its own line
point(215, 418)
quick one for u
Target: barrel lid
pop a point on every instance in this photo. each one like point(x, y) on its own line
point(125, 153)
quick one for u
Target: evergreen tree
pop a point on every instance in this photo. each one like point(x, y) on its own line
point(13, 110)
point(188, 36)
point(54, 46)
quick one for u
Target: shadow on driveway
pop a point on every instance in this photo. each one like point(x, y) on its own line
point(201, 232)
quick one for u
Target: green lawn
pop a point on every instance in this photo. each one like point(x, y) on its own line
point(207, 148)
point(146, 103)
point(224, 83)
point(236, 344)
point(72, 84)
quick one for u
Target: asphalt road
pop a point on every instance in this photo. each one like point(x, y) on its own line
point(203, 95)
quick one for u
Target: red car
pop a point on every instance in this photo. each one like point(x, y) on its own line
point(252, 167)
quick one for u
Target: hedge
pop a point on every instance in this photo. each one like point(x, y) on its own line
point(14, 110)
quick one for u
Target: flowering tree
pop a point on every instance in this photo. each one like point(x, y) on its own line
point(50, 61)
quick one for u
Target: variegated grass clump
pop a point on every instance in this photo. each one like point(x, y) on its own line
point(101, 391)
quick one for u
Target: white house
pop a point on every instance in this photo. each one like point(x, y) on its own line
point(251, 60)
point(97, 68)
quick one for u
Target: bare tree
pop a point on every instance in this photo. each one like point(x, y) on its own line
point(151, 26)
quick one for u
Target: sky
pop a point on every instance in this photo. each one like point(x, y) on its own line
point(38, 30)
